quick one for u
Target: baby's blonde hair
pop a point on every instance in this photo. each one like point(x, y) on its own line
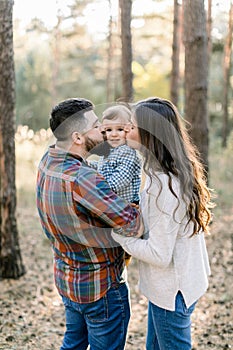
point(118, 111)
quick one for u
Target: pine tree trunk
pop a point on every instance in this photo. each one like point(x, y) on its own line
point(196, 74)
point(126, 39)
point(11, 265)
point(175, 74)
point(209, 28)
point(226, 82)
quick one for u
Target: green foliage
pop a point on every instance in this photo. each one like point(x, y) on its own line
point(217, 46)
point(67, 60)
point(66, 64)
point(33, 98)
point(221, 171)
point(148, 81)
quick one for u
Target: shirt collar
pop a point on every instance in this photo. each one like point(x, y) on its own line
point(56, 152)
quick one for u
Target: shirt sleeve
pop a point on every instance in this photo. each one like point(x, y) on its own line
point(163, 227)
point(93, 193)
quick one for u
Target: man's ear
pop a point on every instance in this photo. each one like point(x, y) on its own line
point(77, 138)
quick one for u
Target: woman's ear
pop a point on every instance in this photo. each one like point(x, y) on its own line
point(77, 138)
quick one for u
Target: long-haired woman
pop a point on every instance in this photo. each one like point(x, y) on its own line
point(175, 206)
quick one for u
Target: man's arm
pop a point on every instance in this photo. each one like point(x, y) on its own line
point(93, 192)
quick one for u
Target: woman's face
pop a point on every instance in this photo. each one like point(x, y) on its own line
point(133, 138)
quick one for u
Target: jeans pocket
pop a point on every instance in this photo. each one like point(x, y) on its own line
point(98, 311)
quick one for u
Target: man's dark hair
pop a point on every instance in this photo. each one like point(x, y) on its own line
point(66, 113)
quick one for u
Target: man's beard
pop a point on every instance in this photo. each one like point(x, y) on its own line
point(91, 144)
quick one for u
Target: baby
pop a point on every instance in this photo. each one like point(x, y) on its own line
point(120, 164)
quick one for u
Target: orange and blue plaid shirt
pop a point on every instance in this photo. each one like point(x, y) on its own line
point(78, 210)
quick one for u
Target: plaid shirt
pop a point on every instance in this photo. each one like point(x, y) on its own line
point(122, 171)
point(77, 210)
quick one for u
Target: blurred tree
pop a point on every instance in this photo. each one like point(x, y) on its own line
point(74, 60)
point(126, 50)
point(11, 265)
point(175, 73)
point(110, 57)
point(227, 68)
point(209, 28)
point(196, 74)
point(69, 63)
point(56, 56)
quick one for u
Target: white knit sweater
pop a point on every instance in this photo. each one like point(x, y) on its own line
point(169, 260)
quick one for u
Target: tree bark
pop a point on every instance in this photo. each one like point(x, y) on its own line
point(196, 74)
point(226, 82)
point(126, 40)
point(209, 29)
point(11, 265)
point(175, 74)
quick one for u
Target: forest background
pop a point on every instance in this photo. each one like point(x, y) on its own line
point(64, 52)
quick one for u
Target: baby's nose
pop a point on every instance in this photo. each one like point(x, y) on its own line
point(114, 132)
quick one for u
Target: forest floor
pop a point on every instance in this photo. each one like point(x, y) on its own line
point(32, 315)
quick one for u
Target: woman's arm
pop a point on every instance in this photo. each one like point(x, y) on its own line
point(162, 229)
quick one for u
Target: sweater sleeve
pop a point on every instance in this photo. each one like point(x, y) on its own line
point(163, 223)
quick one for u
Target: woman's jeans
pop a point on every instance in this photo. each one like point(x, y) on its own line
point(169, 330)
point(102, 324)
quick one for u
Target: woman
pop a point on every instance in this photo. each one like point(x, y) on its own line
point(175, 204)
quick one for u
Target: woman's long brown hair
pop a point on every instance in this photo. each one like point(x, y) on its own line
point(167, 147)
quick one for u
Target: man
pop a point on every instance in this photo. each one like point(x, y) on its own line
point(77, 210)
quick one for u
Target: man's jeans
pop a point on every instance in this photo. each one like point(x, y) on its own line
point(169, 330)
point(102, 324)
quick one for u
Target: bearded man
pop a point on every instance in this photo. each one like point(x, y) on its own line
point(78, 211)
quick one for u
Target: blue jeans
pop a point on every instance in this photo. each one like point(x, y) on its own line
point(169, 330)
point(102, 324)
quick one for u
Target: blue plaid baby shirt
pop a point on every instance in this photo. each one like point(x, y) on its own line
point(122, 170)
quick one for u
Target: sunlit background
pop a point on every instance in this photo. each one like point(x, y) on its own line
point(96, 15)
point(61, 53)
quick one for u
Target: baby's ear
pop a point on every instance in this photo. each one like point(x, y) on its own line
point(127, 127)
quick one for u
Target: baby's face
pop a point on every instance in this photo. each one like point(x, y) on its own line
point(115, 131)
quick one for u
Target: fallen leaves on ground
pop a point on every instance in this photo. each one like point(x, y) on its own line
point(32, 314)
